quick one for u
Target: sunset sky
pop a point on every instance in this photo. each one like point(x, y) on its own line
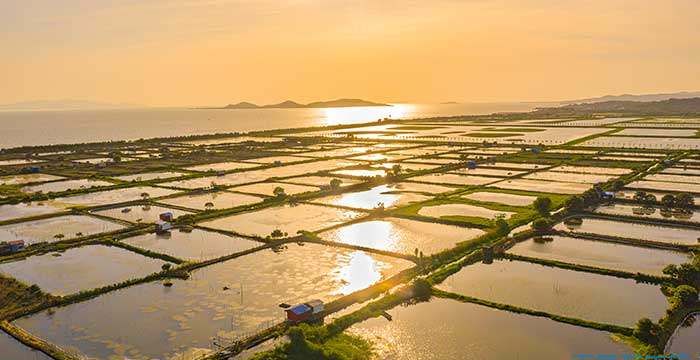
point(211, 52)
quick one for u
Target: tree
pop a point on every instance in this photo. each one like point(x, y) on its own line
point(145, 195)
point(542, 205)
point(668, 201)
point(640, 196)
point(686, 294)
point(685, 201)
point(575, 204)
point(396, 169)
point(277, 233)
point(650, 199)
point(685, 273)
point(502, 227)
point(279, 192)
point(208, 205)
point(647, 331)
point(335, 184)
point(542, 225)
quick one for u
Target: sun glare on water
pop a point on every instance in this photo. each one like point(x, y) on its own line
point(353, 115)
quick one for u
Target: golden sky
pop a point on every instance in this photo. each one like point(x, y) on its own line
point(211, 52)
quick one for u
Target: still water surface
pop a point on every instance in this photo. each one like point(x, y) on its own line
point(21, 128)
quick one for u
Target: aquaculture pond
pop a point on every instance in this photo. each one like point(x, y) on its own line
point(20, 210)
point(27, 178)
point(320, 181)
point(431, 189)
point(83, 268)
point(502, 198)
point(582, 295)
point(226, 299)
point(591, 170)
point(219, 200)
point(114, 196)
point(666, 234)
point(65, 185)
point(56, 228)
point(453, 210)
point(569, 177)
point(196, 245)
point(369, 199)
point(467, 331)
point(406, 166)
point(140, 213)
point(222, 166)
point(685, 339)
point(361, 172)
point(267, 188)
point(489, 172)
point(286, 218)
point(554, 187)
point(690, 179)
point(649, 212)
point(11, 349)
point(402, 235)
point(600, 254)
point(454, 179)
point(150, 176)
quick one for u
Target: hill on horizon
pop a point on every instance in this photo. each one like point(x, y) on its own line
point(289, 104)
point(632, 97)
point(688, 106)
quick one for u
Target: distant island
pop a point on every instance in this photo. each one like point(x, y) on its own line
point(295, 105)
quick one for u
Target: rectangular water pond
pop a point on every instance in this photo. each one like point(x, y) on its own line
point(114, 196)
point(11, 349)
point(502, 198)
point(601, 254)
point(569, 293)
point(196, 245)
point(59, 186)
point(286, 218)
point(467, 331)
point(554, 187)
point(454, 179)
point(140, 213)
point(457, 210)
point(20, 210)
point(83, 268)
point(27, 178)
point(649, 212)
point(268, 188)
point(213, 200)
point(665, 234)
point(150, 176)
point(402, 235)
point(386, 195)
point(150, 321)
point(56, 228)
point(223, 166)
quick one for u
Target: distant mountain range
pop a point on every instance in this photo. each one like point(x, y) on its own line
point(67, 104)
point(629, 97)
point(690, 106)
point(295, 105)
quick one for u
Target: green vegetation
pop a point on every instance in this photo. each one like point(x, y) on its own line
point(309, 342)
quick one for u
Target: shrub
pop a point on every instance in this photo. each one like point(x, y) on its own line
point(542, 205)
point(542, 225)
point(647, 331)
point(686, 294)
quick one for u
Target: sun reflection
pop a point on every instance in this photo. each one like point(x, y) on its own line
point(373, 234)
point(360, 272)
point(360, 114)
